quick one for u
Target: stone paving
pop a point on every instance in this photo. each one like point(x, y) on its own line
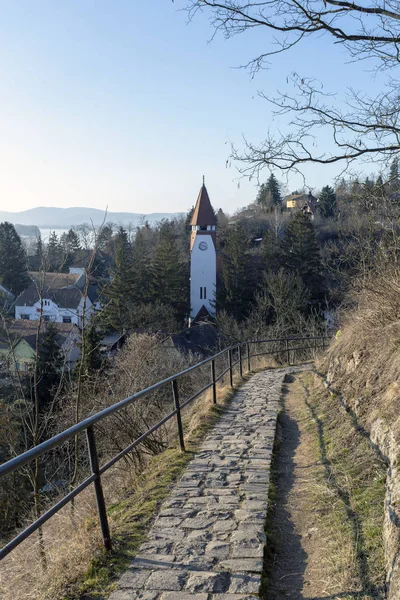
point(207, 542)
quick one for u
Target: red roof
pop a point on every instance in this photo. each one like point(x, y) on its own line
point(203, 211)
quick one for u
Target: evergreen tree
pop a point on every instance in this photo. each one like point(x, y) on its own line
point(300, 253)
point(271, 252)
point(105, 235)
point(170, 274)
point(327, 202)
point(237, 274)
point(394, 182)
point(188, 218)
point(394, 178)
point(263, 198)
point(92, 359)
point(269, 194)
point(118, 292)
point(39, 250)
point(13, 267)
point(50, 362)
point(141, 270)
point(54, 252)
point(70, 242)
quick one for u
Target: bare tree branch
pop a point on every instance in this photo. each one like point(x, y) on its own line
point(367, 128)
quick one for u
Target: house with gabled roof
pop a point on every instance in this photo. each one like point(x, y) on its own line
point(57, 297)
point(18, 344)
point(307, 203)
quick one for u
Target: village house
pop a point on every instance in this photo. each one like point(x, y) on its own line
point(58, 297)
point(307, 203)
point(18, 345)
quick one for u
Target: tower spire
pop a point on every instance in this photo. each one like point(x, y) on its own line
point(204, 183)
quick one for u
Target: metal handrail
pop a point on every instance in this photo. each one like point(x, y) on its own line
point(87, 425)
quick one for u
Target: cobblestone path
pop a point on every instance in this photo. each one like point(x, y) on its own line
point(207, 542)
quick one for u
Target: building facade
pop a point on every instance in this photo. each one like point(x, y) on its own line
point(203, 270)
point(57, 297)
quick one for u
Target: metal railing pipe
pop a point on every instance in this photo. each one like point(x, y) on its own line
point(101, 505)
point(214, 382)
point(175, 393)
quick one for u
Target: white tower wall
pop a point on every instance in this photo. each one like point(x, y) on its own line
point(203, 275)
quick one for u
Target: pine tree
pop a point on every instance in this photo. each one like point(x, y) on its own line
point(118, 293)
point(70, 242)
point(271, 252)
point(54, 252)
point(39, 250)
point(300, 253)
point(394, 178)
point(170, 275)
point(105, 235)
point(92, 359)
point(50, 363)
point(394, 182)
point(327, 202)
point(13, 267)
point(269, 194)
point(141, 270)
point(237, 275)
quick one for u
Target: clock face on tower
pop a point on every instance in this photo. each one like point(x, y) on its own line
point(203, 246)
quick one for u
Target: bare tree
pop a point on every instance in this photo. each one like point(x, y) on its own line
point(369, 125)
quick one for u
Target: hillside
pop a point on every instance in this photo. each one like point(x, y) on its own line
point(362, 371)
point(43, 216)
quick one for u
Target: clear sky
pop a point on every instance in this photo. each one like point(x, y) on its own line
point(123, 104)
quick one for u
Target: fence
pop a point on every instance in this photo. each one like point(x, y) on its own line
point(284, 349)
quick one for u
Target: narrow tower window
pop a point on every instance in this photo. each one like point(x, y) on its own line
point(201, 293)
point(205, 293)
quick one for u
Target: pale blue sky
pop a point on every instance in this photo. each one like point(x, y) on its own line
point(123, 104)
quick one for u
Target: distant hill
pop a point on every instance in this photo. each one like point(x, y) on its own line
point(62, 218)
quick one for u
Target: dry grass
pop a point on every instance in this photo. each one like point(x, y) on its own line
point(363, 362)
point(325, 525)
point(77, 566)
point(349, 494)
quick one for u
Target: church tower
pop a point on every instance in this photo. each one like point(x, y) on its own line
point(203, 268)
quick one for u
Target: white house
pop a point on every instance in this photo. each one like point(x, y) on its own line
point(203, 265)
point(58, 297)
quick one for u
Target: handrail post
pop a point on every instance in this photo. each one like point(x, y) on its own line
point(214, 384)
point(248, 357)
point(287, 351)
point(240, 360)
point(175, 393)
point(230, 368)
point(101, 505)
point(315, 346)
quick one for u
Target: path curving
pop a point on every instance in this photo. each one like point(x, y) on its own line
point(207, 542)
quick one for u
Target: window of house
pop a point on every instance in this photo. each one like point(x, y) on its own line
point(25, 317)
point(67, 320)
point(46, 317)
point(203, 227)
point(205, 293)
point(201, 293)
point(17, 366)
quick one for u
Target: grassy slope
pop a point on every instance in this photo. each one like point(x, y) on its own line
point(345, 492)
